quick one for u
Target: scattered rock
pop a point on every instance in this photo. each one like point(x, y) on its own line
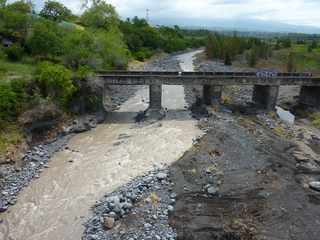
point(161, 176)
point(108, 223)
point(212, 190)
point(315, 185)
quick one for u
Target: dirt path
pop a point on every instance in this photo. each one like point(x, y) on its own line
point(57, 204)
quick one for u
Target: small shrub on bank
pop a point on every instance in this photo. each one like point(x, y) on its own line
point(12, 98)
point(315, 118)
point(55, 82)
point(14, 52)
point(10, 135)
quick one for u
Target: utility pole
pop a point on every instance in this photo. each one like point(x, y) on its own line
point(147, 15)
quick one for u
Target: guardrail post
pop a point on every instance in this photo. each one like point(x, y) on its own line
point(155, 93)
point(212, 94)
point(310, 96)
point(266, 96)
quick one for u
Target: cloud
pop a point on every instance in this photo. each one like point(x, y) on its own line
point(298, 12)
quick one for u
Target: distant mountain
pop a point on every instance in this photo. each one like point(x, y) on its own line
point(239, 25)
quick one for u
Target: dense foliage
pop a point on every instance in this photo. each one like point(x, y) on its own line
point(56, 11)
point(143, 40)
point(227, 48)
point(59, 45)
point(55, 82)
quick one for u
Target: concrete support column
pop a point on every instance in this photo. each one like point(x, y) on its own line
point(155, 93)
point(310, 96)
point(212, 94)
point(266, 96)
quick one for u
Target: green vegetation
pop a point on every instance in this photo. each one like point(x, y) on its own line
point(56, 11)
point(144, 40)
point(292, 53)
point(46, 56)
point(10, 136)
point(55, 82)
point(227, 48)
point(315, 118)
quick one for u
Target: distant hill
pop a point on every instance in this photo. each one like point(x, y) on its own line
point(239, 25)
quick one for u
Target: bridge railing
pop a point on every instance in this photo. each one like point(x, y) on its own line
point(260, 74)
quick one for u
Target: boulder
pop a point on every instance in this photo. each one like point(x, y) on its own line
point(315, 185)
point(108, 223)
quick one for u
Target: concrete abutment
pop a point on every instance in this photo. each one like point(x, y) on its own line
point(265, 96)
point(212, 94)
point(310, 96)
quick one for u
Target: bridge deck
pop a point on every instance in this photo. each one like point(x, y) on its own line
point(207, 78)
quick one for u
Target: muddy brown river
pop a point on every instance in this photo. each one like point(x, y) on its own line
point(97, 162)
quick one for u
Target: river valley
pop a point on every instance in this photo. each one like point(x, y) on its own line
point(226, 176)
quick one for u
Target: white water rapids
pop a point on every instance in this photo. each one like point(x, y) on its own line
point(57, 204)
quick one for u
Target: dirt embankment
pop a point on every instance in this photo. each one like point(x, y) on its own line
point(256, 190)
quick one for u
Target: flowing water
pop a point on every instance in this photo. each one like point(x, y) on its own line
point(97, 162)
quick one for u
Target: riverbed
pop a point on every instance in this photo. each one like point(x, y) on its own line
point(57, 204)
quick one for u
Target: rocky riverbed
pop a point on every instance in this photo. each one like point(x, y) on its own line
point(252, 176)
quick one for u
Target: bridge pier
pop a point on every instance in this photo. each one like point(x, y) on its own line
point(212, 94)
point(266, 96)
point(310, 96)
point(155, 94)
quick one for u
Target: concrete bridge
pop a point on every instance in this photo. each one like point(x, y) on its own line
point(266, 84)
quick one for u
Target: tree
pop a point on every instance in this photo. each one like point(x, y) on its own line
point(286, 42)
point(252, 57)
point(227, 59)
point(15, 20)
point(3, 3)
point(213, 47)
point(291, 63)
point(112, 49)
point(79, 49)
point(44, 39)
point(100, 15)
point(55, 11)
point(55, 82)
point(14, 52)
point(20, 6)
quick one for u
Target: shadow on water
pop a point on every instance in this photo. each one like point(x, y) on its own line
point(130, 117)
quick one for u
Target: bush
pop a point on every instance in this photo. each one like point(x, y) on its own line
point(252, 58)
point(315, 118)
point(143, 54)
point(14, 52)
point(227, 60)
point(2, 54)
point(13, 98)
point(113, 50)
point(44, 39)
point(55, 82)
point(14, 24)
point(8, 101)
point(79, 49)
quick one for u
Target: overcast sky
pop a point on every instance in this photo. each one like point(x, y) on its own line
point(298, 12)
